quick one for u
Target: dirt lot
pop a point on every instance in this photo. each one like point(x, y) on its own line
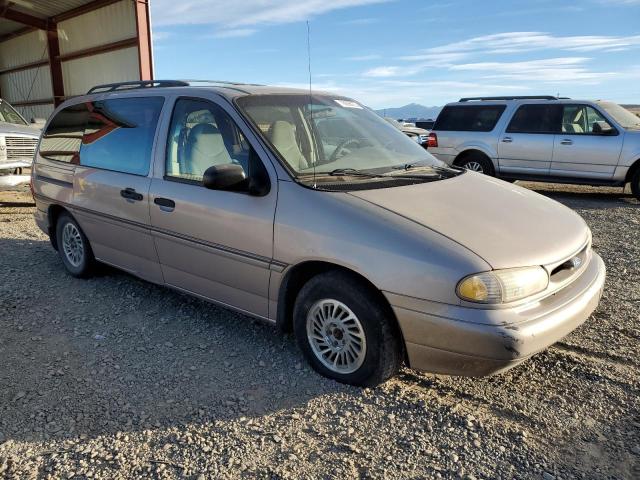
point(115, 378)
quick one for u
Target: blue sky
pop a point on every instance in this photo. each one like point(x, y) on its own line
point(390, 53)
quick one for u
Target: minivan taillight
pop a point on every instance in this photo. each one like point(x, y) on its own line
point(433, 140)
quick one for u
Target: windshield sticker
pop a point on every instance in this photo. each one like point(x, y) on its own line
point(348, 104)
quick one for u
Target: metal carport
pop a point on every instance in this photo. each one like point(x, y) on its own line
point(54, 49)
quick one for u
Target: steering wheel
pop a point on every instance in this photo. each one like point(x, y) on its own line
point(341, 146)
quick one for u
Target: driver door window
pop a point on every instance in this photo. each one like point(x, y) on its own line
point(202, 135)
point(583, 120)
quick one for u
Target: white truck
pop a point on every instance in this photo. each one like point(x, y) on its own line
point(18, 141)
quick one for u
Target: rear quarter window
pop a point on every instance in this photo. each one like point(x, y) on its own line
point(119, 134)
point(469, 118)
point(62, 139)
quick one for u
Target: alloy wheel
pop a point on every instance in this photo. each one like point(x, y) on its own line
point(72, 244)
point(474, 166)
point(336, 336)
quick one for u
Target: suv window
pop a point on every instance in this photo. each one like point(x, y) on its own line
point(62, 139)
point(583, 119)
point(202, 135)
point(536, 118)
point(119, 134)
point(471, 118)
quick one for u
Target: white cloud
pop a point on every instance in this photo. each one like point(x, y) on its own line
point(517, 42)
point(234, 33)
point(388, 71)
point(551, 70)
point(243, 13)
point(459, 56)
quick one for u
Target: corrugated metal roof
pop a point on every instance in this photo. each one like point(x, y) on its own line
point(46, 8)
point(42, 9)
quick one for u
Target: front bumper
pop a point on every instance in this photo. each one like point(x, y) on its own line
point(11, 179)
point(438, 340)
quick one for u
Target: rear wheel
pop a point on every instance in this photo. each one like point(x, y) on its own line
point(345, 332)
point(477, 162)
point(73, 247)
point(635, 183)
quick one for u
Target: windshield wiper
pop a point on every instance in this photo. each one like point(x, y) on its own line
point(353, 172)
point(406, 166)
point(350, 172)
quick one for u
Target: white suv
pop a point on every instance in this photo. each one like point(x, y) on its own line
point(547, 139)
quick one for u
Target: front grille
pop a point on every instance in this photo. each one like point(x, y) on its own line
point(20, 147)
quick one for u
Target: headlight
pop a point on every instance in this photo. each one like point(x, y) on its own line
point(503, 286)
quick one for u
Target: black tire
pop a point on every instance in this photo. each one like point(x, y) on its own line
point(477, 162)
point(383, 353)
point(635, 183)
point(85, 264)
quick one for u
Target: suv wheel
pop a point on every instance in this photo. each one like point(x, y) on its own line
point(344, 332)
point(73, 247)
point(635, 184)
point(477, 163)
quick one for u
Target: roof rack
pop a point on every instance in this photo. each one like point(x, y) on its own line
point(112, 87)
point(530, 97)
point(196, 83)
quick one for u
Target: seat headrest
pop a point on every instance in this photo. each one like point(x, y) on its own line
point(282, 133)
point(203, 129)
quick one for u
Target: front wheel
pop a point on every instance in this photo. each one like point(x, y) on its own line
point(73, 247)
point(477, 163)
point(345, 332)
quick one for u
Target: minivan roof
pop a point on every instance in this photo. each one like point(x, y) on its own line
point(225, 88)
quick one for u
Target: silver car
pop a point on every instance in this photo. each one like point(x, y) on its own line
point(18, 140)
point(545, 139)
point(314, 214)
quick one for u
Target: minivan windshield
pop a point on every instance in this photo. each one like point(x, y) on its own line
point(9, 115)
point(624, 117)
point(322, 136)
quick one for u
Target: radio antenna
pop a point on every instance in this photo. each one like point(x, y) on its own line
point(313, 160)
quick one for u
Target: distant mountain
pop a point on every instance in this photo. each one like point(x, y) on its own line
point(413, 110)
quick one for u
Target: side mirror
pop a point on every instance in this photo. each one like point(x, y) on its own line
point(603, 128)
point(225, 177)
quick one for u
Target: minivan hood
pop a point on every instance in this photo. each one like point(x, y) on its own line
point(506, 225)
point(8, 128)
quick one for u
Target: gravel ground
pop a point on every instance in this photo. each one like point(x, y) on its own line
point(113, 377)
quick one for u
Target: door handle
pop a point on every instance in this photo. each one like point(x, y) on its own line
point(164, 202)
point(131, 194)
point(566, 141)
point(507, 140)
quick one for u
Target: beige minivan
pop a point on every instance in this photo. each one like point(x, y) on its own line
point(314, 214)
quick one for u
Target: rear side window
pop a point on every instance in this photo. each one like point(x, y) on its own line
point(536, 118)
point(62, 139)
point(119, 134)
point(471, 118)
